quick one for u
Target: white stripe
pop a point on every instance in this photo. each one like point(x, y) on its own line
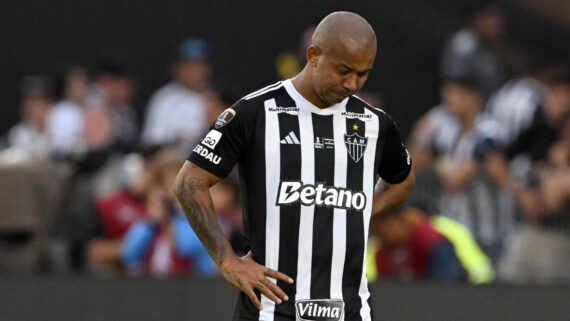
point(368, 187)
point(307, 212)
point(339, 215)
point(272, 153)
point(263, 91)
point(294, 137)
point(288, 139)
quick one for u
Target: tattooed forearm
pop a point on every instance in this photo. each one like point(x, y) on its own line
point(194, 197)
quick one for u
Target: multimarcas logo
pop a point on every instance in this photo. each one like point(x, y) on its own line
point(320, 195)
point(320, 310)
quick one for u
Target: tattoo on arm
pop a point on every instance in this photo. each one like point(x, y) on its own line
point(194, 197)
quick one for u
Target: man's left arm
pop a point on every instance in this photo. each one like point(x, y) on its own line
point(392, 195)
point(395, 169)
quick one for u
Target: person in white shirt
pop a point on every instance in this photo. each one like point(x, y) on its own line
point(30, 136)
point(176, 113)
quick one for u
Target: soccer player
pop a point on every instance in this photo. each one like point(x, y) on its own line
point(309, 154)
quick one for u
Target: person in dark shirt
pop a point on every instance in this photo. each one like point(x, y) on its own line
point(411, 248)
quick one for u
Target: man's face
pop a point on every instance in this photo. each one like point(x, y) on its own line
point(194, 74)
point(340, 71)
point(460, 100)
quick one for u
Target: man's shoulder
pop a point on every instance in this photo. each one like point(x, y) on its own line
point(255, 101)
point(361, 103)
point(271, 91)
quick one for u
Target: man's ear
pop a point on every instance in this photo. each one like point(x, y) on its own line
point(313, 53)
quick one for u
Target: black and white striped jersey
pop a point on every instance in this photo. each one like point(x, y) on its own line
point(307, 178)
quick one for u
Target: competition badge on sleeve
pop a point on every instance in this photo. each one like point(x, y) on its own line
point(224, 118)
point(355, 146)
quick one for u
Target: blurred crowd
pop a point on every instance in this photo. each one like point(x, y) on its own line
point(88, 190)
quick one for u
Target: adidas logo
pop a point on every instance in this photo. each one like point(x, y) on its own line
point(291, 138)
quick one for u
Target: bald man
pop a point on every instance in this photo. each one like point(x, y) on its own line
point(310, 153)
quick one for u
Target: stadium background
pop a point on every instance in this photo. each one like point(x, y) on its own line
point(246, 36)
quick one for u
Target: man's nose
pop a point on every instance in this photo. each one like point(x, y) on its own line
point(351, 83)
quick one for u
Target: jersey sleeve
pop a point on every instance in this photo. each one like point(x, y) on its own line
point(395, 164)
point(225, 143)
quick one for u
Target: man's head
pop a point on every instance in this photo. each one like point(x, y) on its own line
point(461, 96)
point(342, 53)
point(115, 81)
point(557, 103)
point(37, 99)
point(396, 226)
point(192, 68)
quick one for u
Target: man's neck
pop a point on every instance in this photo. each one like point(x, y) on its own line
point(304, 86)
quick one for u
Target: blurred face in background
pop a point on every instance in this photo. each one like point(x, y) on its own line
point(459, 100)
point(35, 110)
point(76, 85)
point(193, 74)
point(489, 25)
point(214, 105)
point(558, 101)
point(119, 90)
point(391, 230)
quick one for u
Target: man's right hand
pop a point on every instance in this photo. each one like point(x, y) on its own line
point(245, 274)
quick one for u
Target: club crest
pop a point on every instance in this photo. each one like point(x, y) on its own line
point(355, 146)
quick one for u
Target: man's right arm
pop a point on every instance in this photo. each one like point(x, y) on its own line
point(192, 188)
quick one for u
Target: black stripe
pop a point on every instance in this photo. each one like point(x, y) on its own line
point(323, 219)
point(354, 225)
point(253, 200)
point(290, 216)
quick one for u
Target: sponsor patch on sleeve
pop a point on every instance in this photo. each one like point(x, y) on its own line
point(212, 139)
point(225, 118)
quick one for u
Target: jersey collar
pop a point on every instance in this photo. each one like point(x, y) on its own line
point(303, 103)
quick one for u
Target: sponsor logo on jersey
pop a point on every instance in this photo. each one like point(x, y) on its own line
point(225, 118)
point(355, 146)
point(212, 139)
point(351, 115)
point(324, 143)
point(288, 110)
point(207, 154)
point(320, 310)
point(290, 139)
point(291, 192)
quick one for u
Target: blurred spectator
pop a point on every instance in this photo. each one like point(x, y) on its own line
point(117, 212)
point(538, 251)
point(406, 245)
point(455, 148)
point(176, 113)
point(545, 129)
point(226, 204)
point(216, 100)
point(290, 62)
point(478, 51)
point(163, 243)
point(515, 103)
point(31, 136)
point(66, 118)
point(110, 121)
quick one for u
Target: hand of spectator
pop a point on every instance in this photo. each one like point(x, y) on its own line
point(555, 189)
point(498, 170)
point(245, 274)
